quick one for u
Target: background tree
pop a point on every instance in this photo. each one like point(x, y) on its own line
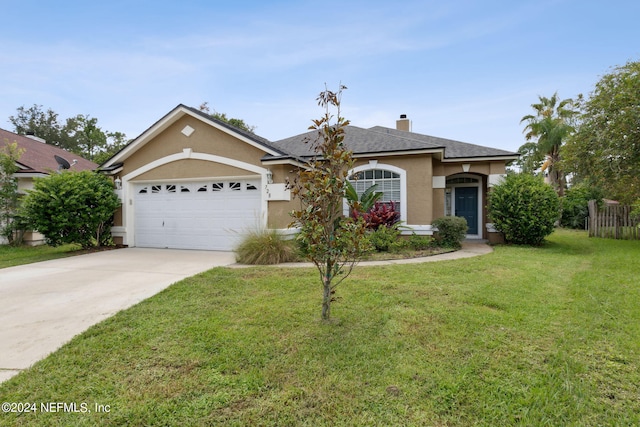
point(43, 124)
point(545, 133)
point(605, 150)
point(575, 205)
point(331, 241)
point(79, 134)
point(239, 123)
point(88, 136)
point(524, 209)
point(9, 155)
point(115, 142)
point(72, 207)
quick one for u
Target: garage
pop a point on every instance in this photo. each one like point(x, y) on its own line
point(210, 215)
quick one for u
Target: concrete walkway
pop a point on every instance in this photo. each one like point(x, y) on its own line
point(43, 305)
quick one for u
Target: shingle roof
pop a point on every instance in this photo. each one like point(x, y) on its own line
point(386, 140)
point(453, 149)
point(38, 156)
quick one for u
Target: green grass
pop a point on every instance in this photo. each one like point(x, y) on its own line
point(18, 255)
point(523, 336)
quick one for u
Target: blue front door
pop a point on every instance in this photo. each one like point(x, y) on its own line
point(467, 206)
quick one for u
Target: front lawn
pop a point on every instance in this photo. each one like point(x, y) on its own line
point(522, 336)
point(17, 255)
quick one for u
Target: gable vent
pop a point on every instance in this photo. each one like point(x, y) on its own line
point(187, 131)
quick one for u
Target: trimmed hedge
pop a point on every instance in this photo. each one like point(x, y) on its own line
point(524, 209)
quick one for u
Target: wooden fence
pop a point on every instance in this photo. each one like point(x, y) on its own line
point(612, 222)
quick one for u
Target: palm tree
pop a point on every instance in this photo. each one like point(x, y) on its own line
point(545, 132)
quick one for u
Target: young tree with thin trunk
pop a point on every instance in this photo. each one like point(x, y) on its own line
point(333, 242)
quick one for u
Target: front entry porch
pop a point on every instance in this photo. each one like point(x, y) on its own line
point(464, 195)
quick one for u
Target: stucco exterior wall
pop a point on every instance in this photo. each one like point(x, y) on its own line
point(438, 203)
point(279, 210)
point(483, 168)
point(190, 168)
point(205, 139)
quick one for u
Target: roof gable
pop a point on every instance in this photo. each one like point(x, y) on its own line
point(176, 114)
point(38, 157)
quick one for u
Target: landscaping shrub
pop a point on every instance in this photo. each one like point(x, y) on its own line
point(419, 243)
point(72, 207)
point(524, 209)
point(400, 245)
point(575, 205)
point(383, 238)
point(262, 247)
point(452, 231)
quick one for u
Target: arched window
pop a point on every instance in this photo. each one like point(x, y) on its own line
point(391, 182)
point(388, 183)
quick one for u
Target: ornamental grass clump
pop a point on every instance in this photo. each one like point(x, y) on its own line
point(265, 247)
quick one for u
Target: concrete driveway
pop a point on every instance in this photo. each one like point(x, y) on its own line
point(44, 305)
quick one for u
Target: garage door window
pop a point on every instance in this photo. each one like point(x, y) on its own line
point(198, 188)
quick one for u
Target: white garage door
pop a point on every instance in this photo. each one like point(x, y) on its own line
point(196, 215)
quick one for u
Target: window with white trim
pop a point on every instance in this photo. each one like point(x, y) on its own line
point(388, 183)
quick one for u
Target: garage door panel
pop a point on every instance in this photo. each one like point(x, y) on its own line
point(196, 215)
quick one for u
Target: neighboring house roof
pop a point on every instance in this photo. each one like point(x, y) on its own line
point(380, 140)
point(38, 157)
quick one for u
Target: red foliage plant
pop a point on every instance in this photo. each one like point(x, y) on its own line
point(382, 214)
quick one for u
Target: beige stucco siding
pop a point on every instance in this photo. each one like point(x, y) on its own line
point(189, 169)
point(279, 217)
point(482, 168)
point(438, 203)
point(205, 139)
point(279, 213)
point(419, 193)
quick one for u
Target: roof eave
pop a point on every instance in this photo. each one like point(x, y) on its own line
point(480, 158)
point(283, 161)
point(398, 153)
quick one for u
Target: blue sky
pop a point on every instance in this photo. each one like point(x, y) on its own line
point(464, 70)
